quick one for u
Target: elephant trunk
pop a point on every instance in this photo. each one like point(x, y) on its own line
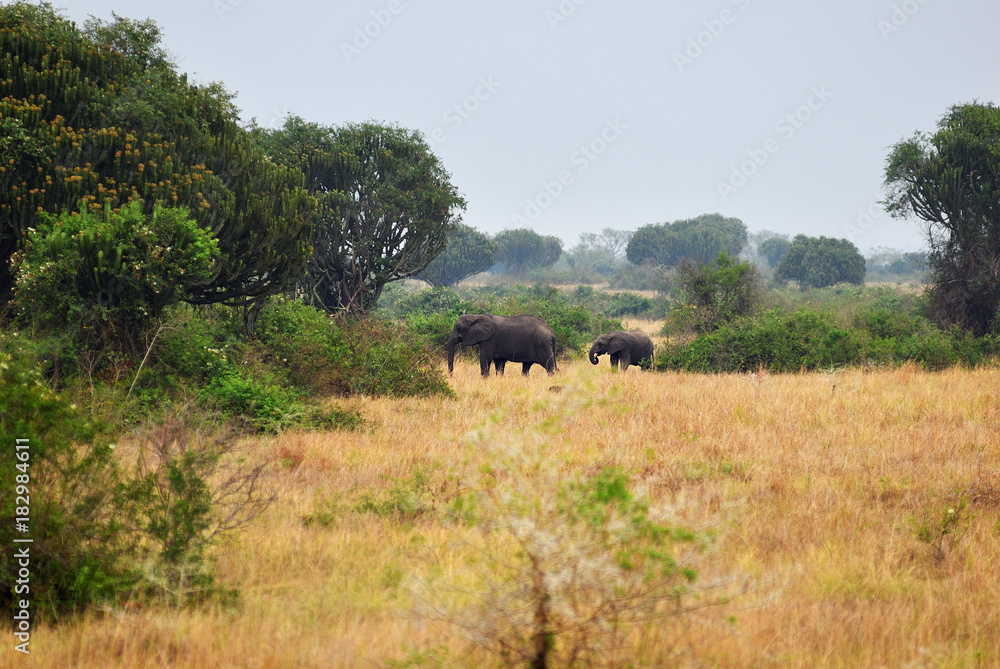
point(451, 353)
point(593, 354)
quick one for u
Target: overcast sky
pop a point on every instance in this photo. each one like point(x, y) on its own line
point(578, 115)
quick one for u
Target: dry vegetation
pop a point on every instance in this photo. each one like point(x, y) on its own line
point(865, 509)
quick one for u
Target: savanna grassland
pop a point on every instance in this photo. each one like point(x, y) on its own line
point(856, 523)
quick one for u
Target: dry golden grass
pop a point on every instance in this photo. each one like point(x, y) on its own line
point(815, 485)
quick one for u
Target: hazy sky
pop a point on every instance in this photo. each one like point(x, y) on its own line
point(578, 115)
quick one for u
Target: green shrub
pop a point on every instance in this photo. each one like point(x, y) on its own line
point(802, 340)
point(68, 474)
point(811, 340)
point(110, 273)
point(267, 406)
point(189, 487)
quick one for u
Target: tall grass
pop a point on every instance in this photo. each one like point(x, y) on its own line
point(865, 508)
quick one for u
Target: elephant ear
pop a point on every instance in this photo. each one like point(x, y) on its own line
point(616, 343)
point(480, 331)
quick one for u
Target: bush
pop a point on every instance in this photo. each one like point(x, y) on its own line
point(780, 342)
point(68, 475)
point(808, 340)
point(265, 405)
point(719, 292)
point(110, 273)
point(187, 490)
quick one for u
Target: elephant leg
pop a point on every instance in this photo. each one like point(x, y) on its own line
point(501, 365)
point(525, 366)
point(626, 360)
point(484, 362)
point(614, 360)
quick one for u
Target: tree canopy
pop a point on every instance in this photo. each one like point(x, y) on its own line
point(468, 252)
point(951, 181)
point(773, 249)
point(821, 261)
point(523, 249)
point(95, 118)
point(386, 206)
point(699, 240)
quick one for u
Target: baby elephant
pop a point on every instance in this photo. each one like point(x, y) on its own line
point(627, 348)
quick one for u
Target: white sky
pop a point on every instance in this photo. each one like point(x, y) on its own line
point(536, 82)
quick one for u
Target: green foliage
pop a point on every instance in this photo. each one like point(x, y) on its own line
point(942, 531)
point(432, 312)
point(951, 181)
point(889, 265)
point(367, 357)
point(468, 252)
point(550, 569)
point(773, 249)
point(112, 273)
point(68, 473)
point(386, 206)
point(821, 261)
point(99, 118)
point(522, 249)
point(812, 340)
point(266, 405)
point(718, 293)
point(699, 240)
point(188, 487)
point(405, 500)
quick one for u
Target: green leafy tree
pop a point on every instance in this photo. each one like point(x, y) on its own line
point(468, 252)
point(98, 118)
point(522, 249)
point(698, 240)
point(773, 249)
point(111, 273)
point(821, 261)
point(719, 292)
point(386, 206)
point(951, 181)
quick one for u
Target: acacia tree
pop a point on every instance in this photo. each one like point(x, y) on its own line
point(386, 206)
point(468, 252)
point(94, 119)
point(951, 181)
point(523, 249)
point(821, 261)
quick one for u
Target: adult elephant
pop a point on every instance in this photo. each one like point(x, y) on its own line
point(525, 339)
point(632, 347)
